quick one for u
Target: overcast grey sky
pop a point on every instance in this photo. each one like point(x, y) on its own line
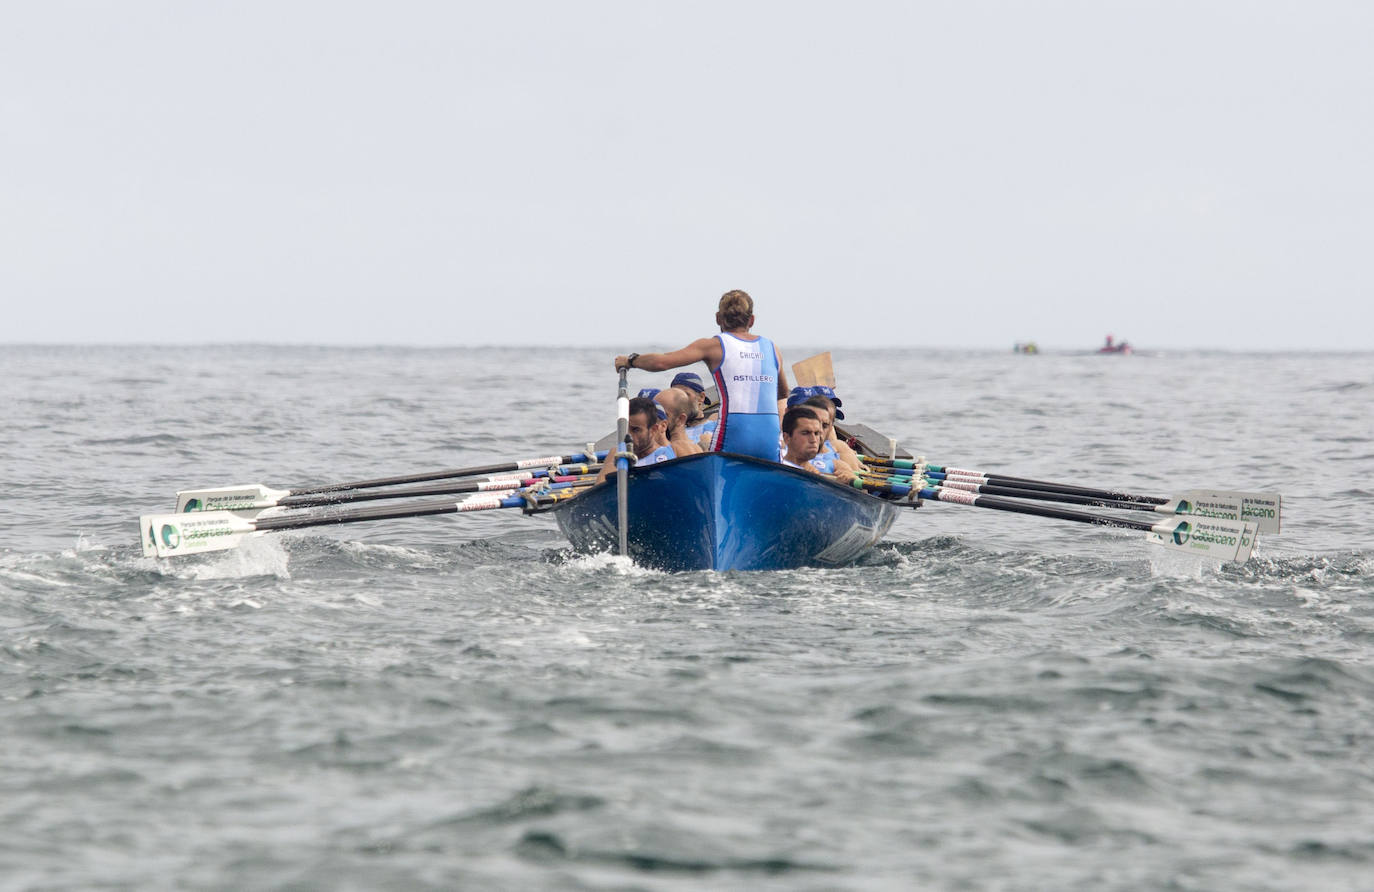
point(1181, 174)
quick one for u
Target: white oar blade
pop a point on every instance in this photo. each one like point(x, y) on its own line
point(1227, 540)
point(171, 535)
point(1259, 508)
point(1263, 509)
point(229, 498)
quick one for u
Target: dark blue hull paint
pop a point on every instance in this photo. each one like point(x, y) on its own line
point(717, 511)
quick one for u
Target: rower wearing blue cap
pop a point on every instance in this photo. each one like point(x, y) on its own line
point(824, 400)
point(697, 423)
point(690, 380)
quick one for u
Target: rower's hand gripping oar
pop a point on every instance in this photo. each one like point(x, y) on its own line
point(622, 463)
point(255, 495)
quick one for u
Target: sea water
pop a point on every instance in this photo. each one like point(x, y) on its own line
point(986, 701)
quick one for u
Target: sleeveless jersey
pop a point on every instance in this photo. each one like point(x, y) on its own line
point(824, 462)
point(662, 453)
point(695, 431)
point(747, 379)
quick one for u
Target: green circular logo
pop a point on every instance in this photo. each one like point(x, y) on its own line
point(1183, 532)
point(192, 505)
point(171, 536)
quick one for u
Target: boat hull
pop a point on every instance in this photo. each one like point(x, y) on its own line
point(717, 511)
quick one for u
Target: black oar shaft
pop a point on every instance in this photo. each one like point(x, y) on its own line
point(1003, 504)
point(1048, 486)
point(314, 500)
point(499, 468)
point(1045, 495)
point(376, 512)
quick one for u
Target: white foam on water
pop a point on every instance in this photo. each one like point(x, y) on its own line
point(21, 576)
point(1177, 565)
point(607, 562)
point(399, 555)
point(257, 556)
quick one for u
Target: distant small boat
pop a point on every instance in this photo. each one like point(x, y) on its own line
point(1114, 346)
point(1027, 347)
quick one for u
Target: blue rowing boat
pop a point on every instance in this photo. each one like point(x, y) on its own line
point(717, 511)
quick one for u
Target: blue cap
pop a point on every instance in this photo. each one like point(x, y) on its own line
point(689, 379)
point(802, 394)
point(650, 392)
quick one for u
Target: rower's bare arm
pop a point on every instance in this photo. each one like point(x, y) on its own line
point(783, 387)
point(682, 444)
point(843, 474)
point(705, 350)
point(846, 454)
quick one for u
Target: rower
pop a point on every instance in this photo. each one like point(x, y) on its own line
point(823, 398)
point(749, 375)
point(701, 423)
point(647, 422)
point(802, 435)
point(673, 406)
point(690, 384)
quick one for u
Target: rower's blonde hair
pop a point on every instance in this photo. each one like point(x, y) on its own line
point(735, 311)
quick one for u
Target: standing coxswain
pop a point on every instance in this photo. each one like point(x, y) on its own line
point(748, 372)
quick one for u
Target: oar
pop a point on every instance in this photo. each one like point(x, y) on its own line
point(171, 535)
point(535, 488)
point(240, 499)
point(1217, 505)
point(622, 465)
point(1264, 509)
point(1227, 540)
point(1211, 504)
point(223, 498)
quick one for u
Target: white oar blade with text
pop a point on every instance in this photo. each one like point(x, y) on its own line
point(1263, 509)
point(229, 498)
point(170, 535)
point(1227, 540)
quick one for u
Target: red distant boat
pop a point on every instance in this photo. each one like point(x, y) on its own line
point(1114, 346)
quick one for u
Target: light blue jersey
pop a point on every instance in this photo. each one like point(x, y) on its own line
point(662, 453)
point(824, 462)
point(695, 431)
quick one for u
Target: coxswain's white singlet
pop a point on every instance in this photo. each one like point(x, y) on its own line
point(747, 379)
